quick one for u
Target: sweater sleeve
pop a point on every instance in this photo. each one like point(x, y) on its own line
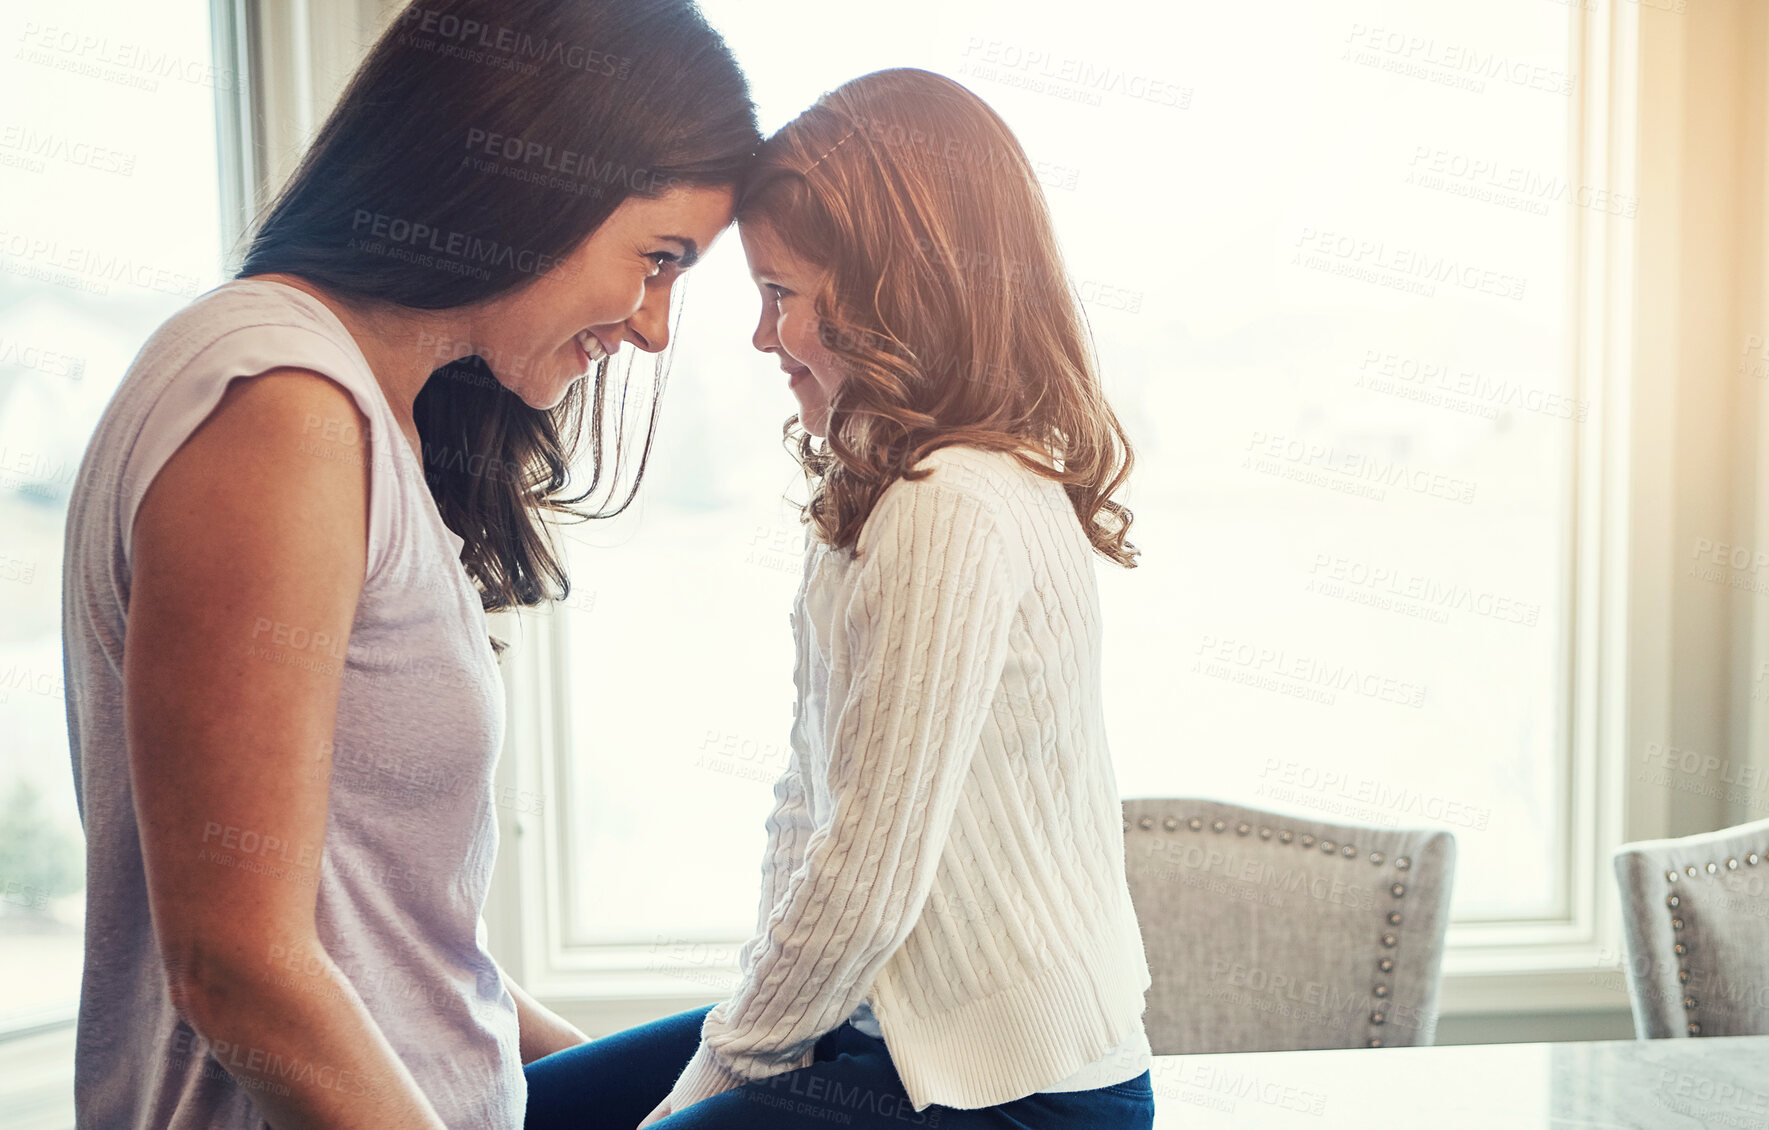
point(933, 602)
point(789, 826)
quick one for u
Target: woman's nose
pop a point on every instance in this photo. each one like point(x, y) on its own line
point(649, 329)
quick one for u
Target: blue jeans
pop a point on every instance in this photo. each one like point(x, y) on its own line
point(614, 1082)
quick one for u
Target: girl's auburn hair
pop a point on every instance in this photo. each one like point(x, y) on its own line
point(943, 293)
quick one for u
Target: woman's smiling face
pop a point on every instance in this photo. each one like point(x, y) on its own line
point(788, 325)
point(614, 287)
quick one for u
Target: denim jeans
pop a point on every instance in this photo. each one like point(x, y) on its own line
point(614, 1082)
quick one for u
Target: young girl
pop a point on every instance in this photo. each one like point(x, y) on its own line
point(945, 936)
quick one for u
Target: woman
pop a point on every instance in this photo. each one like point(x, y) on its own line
point(284, 709)
point(945, 934)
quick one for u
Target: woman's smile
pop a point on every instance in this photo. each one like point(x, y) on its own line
point(589, 350)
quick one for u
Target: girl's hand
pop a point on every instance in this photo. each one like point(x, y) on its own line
point(662, 1112)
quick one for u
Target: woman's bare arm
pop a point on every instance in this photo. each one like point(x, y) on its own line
point(256, 527)
point(542, 1031)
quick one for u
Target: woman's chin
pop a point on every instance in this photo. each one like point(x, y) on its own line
point(542, 398)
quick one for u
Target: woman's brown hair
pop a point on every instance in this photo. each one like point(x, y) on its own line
point(583, 103)
point(944, 297)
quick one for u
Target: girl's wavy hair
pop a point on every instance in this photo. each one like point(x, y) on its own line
point(456, 124)
point(943, 294)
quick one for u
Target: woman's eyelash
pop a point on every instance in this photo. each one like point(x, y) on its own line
point(664, 258)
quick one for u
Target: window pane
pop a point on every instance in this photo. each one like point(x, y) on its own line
point(1323, 247)
point(110, 223)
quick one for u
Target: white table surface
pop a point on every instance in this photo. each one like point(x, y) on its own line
point(1679, 1084)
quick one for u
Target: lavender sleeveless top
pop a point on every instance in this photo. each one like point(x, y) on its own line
point(411, 833)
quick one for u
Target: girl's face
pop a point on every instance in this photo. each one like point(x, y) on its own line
point(788, 325)
point(613, 287)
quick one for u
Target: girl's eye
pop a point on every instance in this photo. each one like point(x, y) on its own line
point(779, 292)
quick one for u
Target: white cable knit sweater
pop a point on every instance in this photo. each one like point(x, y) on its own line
point(947, 842)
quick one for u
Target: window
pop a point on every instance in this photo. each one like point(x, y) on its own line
point(108, 166)
point(1326, 254)
point(1327, 251)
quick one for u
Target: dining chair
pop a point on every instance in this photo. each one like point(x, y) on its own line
point(1695, 915)
point(1267, 932)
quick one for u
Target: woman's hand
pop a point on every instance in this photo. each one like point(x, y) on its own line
point(540, 1030)
point(662, 1112)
